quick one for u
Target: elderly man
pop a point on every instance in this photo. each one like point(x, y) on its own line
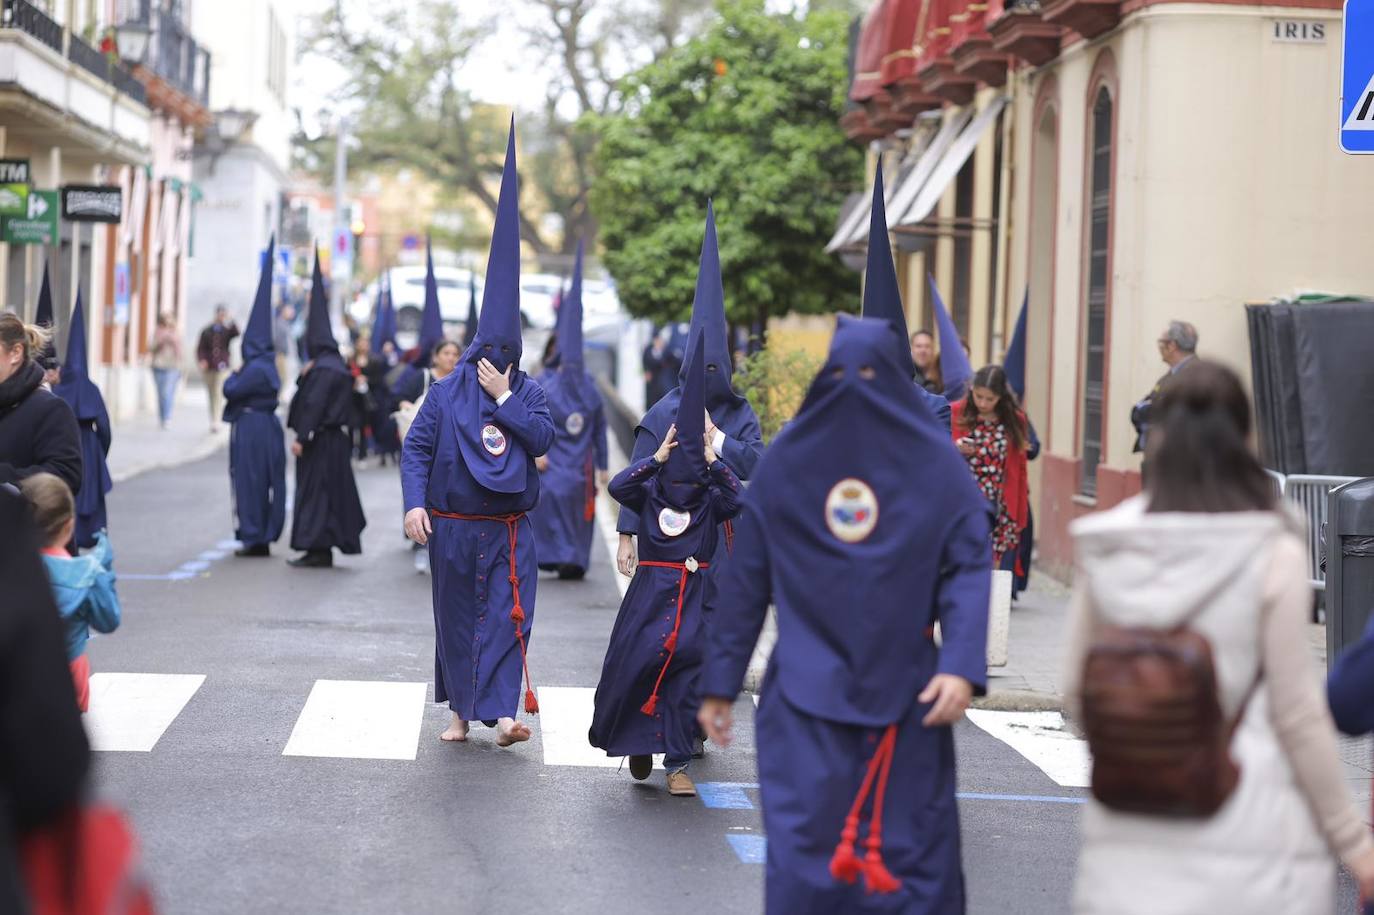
point(1177, 347)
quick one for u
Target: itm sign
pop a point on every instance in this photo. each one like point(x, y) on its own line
point(1357, 78)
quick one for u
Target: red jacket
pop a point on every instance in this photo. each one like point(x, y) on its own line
point(1015, 483)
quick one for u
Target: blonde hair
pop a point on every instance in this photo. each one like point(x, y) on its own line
point(14, 332)
point(51, 502)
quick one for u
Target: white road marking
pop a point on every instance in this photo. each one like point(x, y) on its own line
point(565, 715)
point(130, 712)
point(1042, 738)
point(359, 719)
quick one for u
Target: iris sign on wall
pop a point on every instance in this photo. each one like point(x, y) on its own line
point(14, 187)
point(92, 203)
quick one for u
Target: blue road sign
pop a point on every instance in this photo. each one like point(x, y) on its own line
point(1357, 78)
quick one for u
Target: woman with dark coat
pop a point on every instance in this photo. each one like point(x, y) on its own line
point(38, 431)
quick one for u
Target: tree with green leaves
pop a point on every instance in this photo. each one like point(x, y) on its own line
point(748, 114)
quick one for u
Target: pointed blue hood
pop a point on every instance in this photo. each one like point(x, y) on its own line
point(257, 335)
point(1014, 362)
point(432, 319)
point(565, 381)
point(955, 369)
point(470, 326)
point(498, 341)
point(570, 321)
point(882, 296)
point(682, 479)
point(709, 327)
point(76, 387)
point(43, 317)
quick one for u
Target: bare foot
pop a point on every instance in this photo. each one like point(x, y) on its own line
point(457, 731)
point(510, 731)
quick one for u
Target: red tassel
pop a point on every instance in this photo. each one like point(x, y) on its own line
point(670, 643)
point(844, 864)
point(517, 614)
point(877, 878)
point(531, 703)
point(651, 706)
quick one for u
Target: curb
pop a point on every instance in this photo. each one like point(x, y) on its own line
point(1019, 700)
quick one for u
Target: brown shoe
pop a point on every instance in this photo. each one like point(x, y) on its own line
point(680, 784)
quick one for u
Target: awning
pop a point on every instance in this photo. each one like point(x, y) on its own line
point(852, 227)
point(885, 41)
point(946, 168)
point(920, 175)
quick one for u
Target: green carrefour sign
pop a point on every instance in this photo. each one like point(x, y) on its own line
point(38, 226)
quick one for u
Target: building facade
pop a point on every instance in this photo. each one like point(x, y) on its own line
point(1114, 165)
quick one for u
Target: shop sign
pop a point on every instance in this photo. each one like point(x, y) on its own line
point(38, 225)
point(92, 203)
point(14, 187)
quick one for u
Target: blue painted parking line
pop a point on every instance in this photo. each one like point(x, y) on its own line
point(1030, 798)
point(749, 849)
point(726, 795)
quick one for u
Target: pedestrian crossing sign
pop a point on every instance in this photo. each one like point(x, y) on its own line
point(1357, 78)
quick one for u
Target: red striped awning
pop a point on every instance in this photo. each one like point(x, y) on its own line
point(886, 50)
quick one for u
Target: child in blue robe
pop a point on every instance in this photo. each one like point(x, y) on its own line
point(646, 701)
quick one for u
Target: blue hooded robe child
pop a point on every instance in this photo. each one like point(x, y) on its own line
point(328, 513)
point(564, 520)
point(81, 394)
point(883, 298)
point(646, 700)
point(409, 382)
point(862, 549)
point(257, 446)
point(468, 460)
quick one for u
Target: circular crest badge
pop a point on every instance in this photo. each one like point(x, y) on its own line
point(494, 440)
point(673, 523)
point(851, 510)
point(575, 424)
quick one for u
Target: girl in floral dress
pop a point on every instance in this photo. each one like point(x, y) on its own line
point(991, 433)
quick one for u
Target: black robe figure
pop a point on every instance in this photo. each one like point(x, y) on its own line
point(257, 446)
point(646, 701)
point(383, 401)
point(81, 394)
point(328, 513)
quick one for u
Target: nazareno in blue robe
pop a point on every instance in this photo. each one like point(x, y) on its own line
point(257, 451)
point(564, 520)
point(81, 394)
point(862, 549)
point(467, 455)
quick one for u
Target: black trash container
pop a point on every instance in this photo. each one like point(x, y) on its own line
point(1349, 564)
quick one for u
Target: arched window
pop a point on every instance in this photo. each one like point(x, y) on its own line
point(1099, 280)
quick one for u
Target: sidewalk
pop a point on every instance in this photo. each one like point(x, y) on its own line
point(139, 445)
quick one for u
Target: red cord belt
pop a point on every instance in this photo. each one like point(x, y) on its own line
point(517, 613)
point(847, 866)
point(670, 643)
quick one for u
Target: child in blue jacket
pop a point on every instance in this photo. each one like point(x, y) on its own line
point(84, 586)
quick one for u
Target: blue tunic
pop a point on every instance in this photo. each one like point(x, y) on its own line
point(477, 663)
point(257, 452)
point(861, 555)
point(636, 655)
point(563, 521)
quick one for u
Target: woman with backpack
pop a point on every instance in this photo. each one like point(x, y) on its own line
point(1216, 779)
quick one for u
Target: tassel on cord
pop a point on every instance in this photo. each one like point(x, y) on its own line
point(589, 510)
point(845, 866)
point(730, 537)
point(531, 703)
point(651, 706)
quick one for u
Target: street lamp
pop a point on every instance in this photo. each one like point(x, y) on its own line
point(131, 40)
point(231, 124)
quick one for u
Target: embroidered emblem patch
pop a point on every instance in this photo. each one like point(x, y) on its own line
point(851, 510)
point(673, 523)
point(494, 440)
point(575, 424)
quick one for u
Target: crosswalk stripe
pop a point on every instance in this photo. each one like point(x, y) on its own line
point(129, 712)
point(359, 719)
point(1042, 738)
point(565, 715)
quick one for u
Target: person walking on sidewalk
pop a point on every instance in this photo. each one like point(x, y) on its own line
point(212, 355)
point(328, 513)
point(1207, 547)
point(468, 480)
point(862, 557)
point(38, 431)
point(166, 359)
point(992, 434)
point(257, 447)
point(646, 700)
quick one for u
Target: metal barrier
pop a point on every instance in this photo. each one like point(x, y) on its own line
point(1308, 494)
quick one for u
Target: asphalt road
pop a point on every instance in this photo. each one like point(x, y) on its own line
point(231, 824)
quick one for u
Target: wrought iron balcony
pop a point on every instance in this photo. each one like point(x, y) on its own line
point(27, 18)
point(173, 55)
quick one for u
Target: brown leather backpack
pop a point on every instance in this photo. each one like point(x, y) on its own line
point(1152, 715)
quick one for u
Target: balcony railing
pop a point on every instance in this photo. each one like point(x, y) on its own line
point(88, 58)
point(173, 54)
point(125, 82)
point(24, 16)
